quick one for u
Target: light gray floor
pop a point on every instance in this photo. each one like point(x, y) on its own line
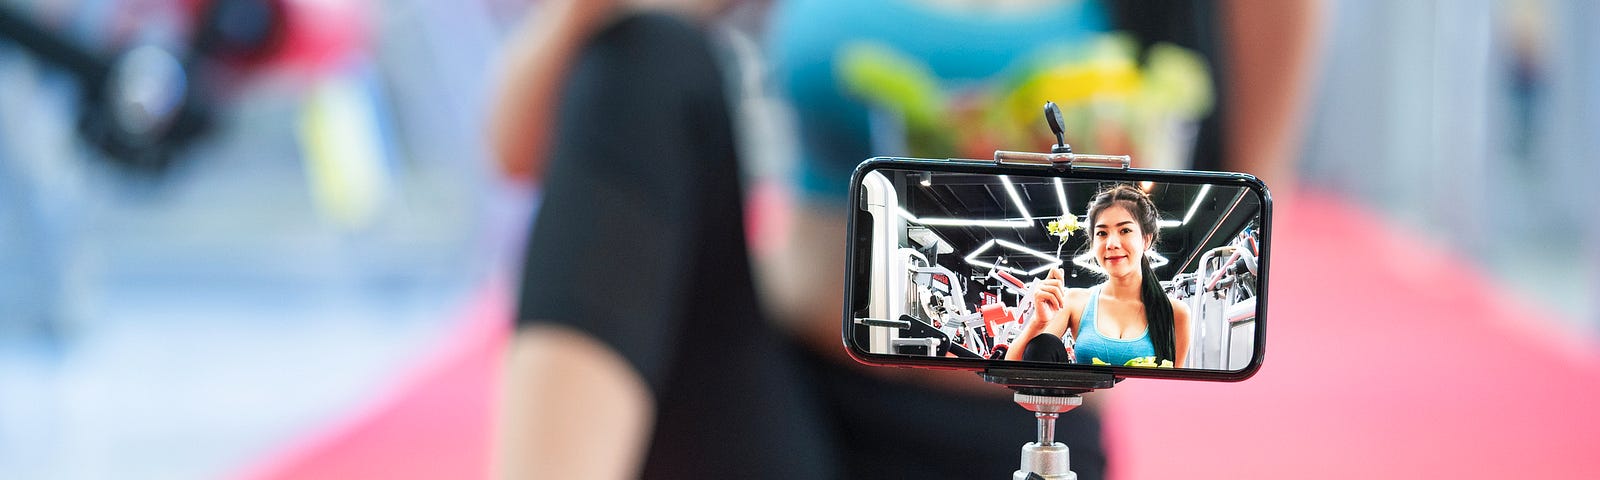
point(185, 354)
point(198, 389)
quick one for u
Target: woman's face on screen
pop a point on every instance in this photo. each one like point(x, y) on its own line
point(1119, 243)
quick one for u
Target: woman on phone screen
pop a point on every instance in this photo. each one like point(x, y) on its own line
point(1126, 318)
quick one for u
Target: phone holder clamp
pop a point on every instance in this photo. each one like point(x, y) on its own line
point(1060, 156)
point(1047, 395)
point(1063, 161)
point(1049, 383)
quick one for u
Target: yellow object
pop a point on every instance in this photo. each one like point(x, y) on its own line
point(1148, 362)
point(1063, 227)
point(343, 153)
point(1110, 102)
point(888, 79)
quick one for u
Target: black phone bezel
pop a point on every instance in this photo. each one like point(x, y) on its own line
point(853, 288)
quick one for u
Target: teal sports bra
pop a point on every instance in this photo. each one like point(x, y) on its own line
point(1091, 344)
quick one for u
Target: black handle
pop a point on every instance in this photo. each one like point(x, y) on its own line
point(1052, 115)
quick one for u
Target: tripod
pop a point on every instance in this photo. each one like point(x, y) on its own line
point(1047, 395)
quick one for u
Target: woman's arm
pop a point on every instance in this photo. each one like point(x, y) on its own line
point(571, 408)
point(1272, 48)
point(1180, 332)
point(535, 64)
point(1032, 329)
point(1064, 320)
point(536, 61)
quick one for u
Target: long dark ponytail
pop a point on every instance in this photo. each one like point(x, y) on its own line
point(1158, 315)
point(1159, 319)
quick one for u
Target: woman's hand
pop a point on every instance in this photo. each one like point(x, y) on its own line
point(1049, 301)
point(1050, 297)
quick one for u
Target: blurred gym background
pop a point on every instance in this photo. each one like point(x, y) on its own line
point(303, 220)
point(177, 306)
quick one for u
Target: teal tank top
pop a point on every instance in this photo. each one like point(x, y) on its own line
point(1091, 344)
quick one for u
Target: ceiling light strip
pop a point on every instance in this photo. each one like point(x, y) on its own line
point(1016, 198)
point(1061, 196)
point(1204, 189)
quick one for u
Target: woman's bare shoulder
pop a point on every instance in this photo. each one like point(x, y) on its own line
point(1077, 295)
point(1178, 306)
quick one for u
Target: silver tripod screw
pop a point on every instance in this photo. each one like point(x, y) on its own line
point(1046, 459)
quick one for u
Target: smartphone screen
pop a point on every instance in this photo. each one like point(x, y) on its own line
point(1136, 272)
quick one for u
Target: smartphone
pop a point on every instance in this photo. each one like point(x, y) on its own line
point(984, 264)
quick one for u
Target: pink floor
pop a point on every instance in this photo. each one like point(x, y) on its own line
point(1385, 359)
